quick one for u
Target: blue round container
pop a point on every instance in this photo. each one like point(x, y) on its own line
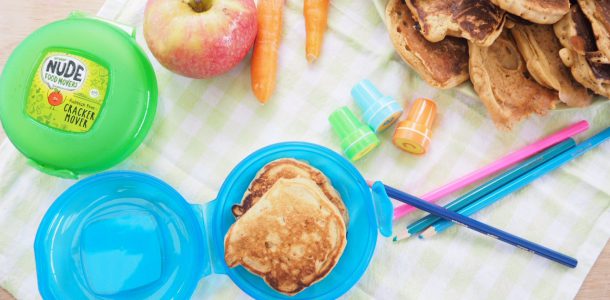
point(127, 235)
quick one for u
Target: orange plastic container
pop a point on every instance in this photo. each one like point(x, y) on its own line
point(414, 134)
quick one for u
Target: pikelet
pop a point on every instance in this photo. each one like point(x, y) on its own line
point(478, 21)
point(293, 237)
point(598, 13)
point(540, 48)
point(580, 53)
point(287, 168)
point(537, 11)
point(499, 76)
point(443, 64)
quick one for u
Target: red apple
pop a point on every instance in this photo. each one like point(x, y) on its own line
point(200, 38)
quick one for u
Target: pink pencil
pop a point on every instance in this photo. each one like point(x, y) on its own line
point(496, 166)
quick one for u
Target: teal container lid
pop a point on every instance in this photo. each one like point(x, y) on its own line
point(77, 96)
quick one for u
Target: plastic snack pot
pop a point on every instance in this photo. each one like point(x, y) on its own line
point(357, 139)
point(127, 235)
point(414, 134)
point(378, 111)
point(77, 96)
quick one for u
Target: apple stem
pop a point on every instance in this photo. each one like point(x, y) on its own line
point(200, 5)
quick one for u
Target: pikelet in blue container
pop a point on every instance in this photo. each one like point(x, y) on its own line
point(378, 111)
point(128, 235)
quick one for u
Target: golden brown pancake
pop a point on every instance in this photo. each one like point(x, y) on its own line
point(443, 64)
point(499, 76)
point(540, 48)
point(574, 31)
point(287, 168)
point(478, 21)
point(595, 76)
point(537, 11)
point(580, 54)
point(597, 58)
point(293, 237)
point(598, 13)
point(511, 20)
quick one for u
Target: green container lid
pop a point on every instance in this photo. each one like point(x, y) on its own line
point(78, 96)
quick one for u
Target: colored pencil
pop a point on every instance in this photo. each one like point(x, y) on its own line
point(475, 225)
point(523, 180)
point(496, 166)
point(488, 187)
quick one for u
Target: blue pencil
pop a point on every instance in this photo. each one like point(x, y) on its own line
point(488, 187)
point(522, 181)
point(380, 189)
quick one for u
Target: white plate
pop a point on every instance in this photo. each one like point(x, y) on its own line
point(466, 88)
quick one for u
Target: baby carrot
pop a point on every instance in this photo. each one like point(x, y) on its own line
point(265, 55)
point(316, 15)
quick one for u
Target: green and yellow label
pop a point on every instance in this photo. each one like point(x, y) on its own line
point(67, 92)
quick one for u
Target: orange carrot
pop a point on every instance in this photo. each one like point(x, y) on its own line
point(316, 15)
point(265, 55)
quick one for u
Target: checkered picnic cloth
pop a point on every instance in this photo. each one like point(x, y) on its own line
point(205, 127)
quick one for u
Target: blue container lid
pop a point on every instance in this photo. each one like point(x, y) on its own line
point(120, 235)
point(127, 235)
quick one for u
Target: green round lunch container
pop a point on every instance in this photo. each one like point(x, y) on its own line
point(78, 96)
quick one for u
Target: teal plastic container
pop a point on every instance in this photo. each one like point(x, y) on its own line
point(78, 96)
point(378, 111)
point(127, 235)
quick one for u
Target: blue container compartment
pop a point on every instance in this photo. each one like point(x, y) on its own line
point(127, 235)
point(120, 235)
point(361, 233)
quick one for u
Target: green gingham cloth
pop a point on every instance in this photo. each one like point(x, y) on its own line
point(205, 127)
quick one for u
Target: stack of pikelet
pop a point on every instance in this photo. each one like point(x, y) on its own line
point(522, 56)
point(291, 226)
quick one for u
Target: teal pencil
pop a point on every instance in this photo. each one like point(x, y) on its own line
point(523, 180)
point(486, 188)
